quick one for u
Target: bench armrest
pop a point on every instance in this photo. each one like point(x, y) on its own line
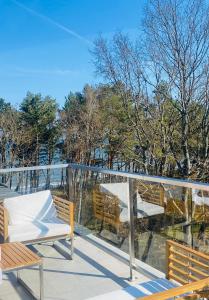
point(3, 222)
point(65, 211)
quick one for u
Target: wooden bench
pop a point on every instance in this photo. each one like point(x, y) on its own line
point(187, 267)
point(64, 214)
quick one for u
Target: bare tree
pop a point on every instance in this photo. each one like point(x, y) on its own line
point(120, 63)
point(177, 40)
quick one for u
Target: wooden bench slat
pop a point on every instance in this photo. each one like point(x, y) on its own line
point(17, 255)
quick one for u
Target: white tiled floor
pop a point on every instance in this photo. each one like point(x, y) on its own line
point(93, 271)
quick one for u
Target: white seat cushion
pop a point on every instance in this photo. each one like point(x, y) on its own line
point(121, 190)
point(138, 290)
point(38, 229)
point(29, 208)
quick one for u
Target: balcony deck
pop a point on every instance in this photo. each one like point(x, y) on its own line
point(97, 268)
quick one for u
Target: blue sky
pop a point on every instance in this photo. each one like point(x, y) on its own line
point(45, 43)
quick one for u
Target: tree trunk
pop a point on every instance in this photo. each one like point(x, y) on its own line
point(185, 148)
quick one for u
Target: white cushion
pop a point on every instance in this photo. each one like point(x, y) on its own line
point(138, 290)
point(121, 190)
point(199, 198)
point(28, 208)
point(37, 229)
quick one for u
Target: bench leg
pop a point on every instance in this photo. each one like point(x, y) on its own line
point(72, 246)
point(28, 289)
point(41, 274)
point(61, 246)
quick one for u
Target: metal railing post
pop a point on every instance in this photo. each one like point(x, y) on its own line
point(70, 183)
point(131, 227)
point(71, 198)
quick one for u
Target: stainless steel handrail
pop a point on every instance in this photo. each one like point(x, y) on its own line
point(21, 169)
point(150, 178)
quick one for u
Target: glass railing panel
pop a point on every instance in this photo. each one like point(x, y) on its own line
point(101, 202)
point(200, 220)
point(162, 209)
point(162, 212)
point(28, 181)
